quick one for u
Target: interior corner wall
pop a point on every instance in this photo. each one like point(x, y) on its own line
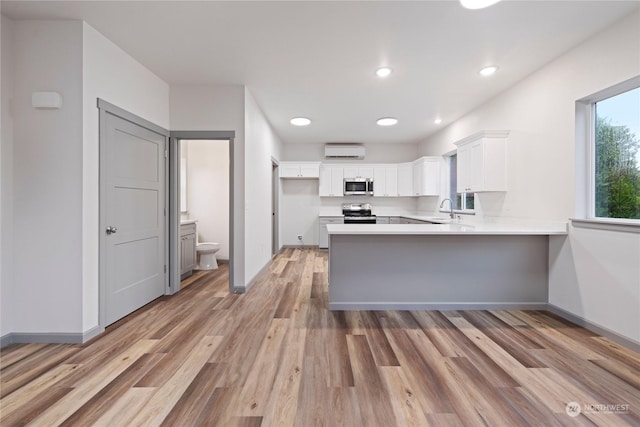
point(47, 179)
point(111, 74)
point(584, 278)
point(261, 145)
point(218, 108)
point(6, 178)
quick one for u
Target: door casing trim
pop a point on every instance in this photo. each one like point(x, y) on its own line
point(174, 199)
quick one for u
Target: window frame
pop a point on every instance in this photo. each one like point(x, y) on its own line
point(585, 119)
point(463, 210)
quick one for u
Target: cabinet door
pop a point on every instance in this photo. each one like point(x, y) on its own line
point(476, 175)
point(464, 169)
point(379, 182)
point(350, 171)
point(337, 182)
point(382, 220)
point(325, 181)
point(309, 170)
point(365, 172)
point(391, 175)
point(289, 170)
point(417, 179)
point(405, 180)
point(187, 253)
point(430, 177)
point(323, 234)
point(482, 165)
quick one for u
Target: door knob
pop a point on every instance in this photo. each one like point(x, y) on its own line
point(111, 230)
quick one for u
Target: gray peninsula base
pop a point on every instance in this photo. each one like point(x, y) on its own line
point(438, 272)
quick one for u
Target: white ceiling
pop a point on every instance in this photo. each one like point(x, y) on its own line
point(318, 59)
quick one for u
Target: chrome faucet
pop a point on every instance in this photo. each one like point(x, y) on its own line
point(450, 205)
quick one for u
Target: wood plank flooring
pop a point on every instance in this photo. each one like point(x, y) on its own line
point(277, 357)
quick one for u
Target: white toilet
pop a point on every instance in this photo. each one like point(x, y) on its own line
point(206, 253)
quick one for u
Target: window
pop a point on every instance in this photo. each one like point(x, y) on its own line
point(461, 201)
point(615, 129)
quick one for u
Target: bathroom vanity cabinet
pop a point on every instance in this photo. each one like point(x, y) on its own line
point(187, 249)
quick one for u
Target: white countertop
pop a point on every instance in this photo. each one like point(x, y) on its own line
point(443, 229)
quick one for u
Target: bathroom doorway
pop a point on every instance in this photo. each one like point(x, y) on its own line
point(201, 208)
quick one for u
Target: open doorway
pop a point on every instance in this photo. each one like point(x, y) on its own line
point(201, 208)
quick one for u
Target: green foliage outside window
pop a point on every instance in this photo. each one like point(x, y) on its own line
point(617, 180)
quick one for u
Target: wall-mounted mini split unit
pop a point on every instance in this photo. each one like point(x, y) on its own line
point(344, 151)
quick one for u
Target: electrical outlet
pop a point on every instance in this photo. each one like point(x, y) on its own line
point(300, 237)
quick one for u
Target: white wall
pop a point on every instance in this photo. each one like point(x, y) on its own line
point(111, 74)
point(6, 178)
point(375, 153)
point(261, 146)
point(299, 209)
point(208, 191)
point(50, 183)
point(47, 179)
point(540, 113)
point(218, 108)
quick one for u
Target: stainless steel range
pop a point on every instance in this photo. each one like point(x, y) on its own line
point(358, 213)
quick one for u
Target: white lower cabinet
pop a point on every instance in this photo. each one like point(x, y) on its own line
point(382, 220)
point(323, 234)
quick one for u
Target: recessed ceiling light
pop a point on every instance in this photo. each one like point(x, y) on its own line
point(488, 71)
point(383, 72)
point(437, 121)
point(300, 121)
point(477, 4)
point(387, 121)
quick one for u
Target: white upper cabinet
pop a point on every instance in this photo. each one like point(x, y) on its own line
point(405, 179)
point(482, 162)
point(354, 171)
point(426, 176)
point(331, 181)
point(299, 169)
point(385, 181)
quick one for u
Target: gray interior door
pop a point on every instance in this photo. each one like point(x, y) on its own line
point(132, 216)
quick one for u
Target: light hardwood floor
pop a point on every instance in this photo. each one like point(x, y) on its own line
point(277, 357)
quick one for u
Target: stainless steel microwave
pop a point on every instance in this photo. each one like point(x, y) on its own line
point(358, 187)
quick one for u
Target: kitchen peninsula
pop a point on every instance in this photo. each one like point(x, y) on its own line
point(438, 266)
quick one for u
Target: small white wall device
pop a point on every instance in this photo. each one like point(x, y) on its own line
point(46, 100)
